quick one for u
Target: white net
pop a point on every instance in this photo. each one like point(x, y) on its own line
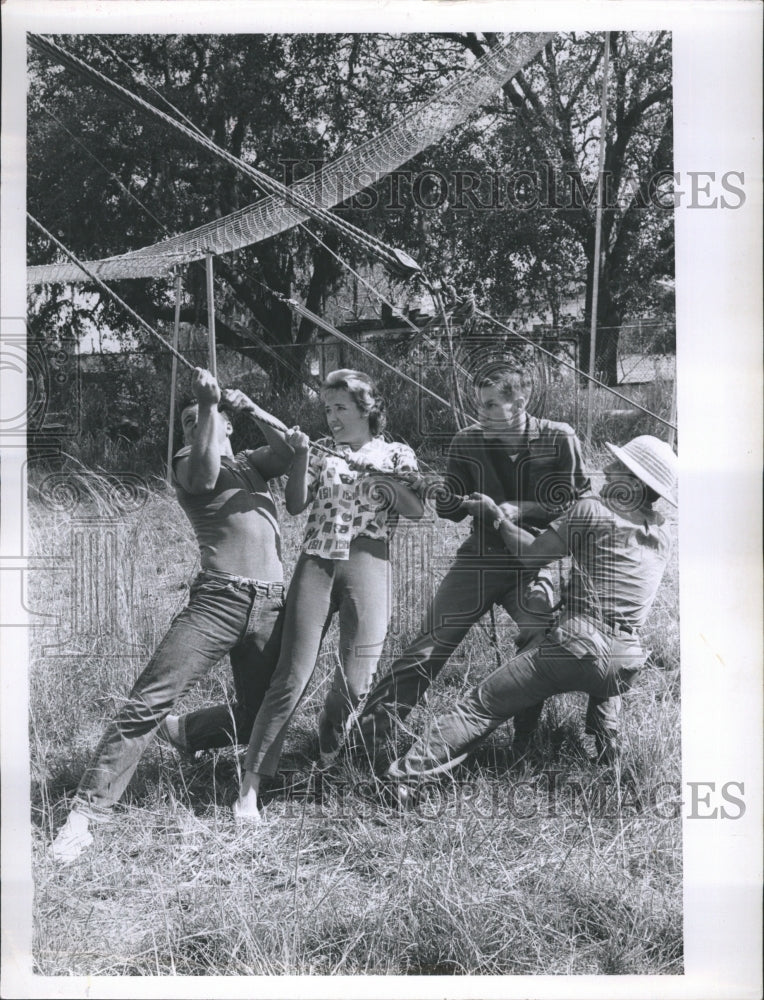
point(336, 182)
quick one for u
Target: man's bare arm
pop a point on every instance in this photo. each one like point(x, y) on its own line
point(199, 472)
point(296, 493)
point(273, 429)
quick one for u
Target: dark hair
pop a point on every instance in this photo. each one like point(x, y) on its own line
point(650, 494)
point(507, 379)
point(364, 394)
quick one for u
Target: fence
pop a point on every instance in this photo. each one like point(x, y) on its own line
point(111, 408)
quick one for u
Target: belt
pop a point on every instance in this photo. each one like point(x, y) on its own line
point(614, 624)
point(267, 588)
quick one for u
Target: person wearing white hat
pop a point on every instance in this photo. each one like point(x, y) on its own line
point(619, 547)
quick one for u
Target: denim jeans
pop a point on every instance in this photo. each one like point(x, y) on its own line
point(225, 614)
point(472, 586)
point(578, 655)
point(357, 589)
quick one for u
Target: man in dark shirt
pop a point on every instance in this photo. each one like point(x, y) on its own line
point(619, 548)
point(234, 606)
point(530, 468)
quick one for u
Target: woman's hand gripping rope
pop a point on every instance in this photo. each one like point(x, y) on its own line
point(299, 441)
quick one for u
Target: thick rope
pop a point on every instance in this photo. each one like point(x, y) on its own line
point(266, 182)
point(250, 334)
point(335, 182)
point(329, 328)
point(349, 267)
point(406, 321)
point(104, 287)
point(365, 467)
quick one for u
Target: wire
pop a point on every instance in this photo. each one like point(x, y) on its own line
point(73, 62)
point(329, 328)
point(125, 190)
point(575, 368)
point(101, 284)
point(391, 257)
point(366, 467)
point(250, 334)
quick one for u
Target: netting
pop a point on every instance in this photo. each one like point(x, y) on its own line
point(347, 175)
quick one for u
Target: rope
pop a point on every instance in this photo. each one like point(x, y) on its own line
point(125, 190)
point(104, 287)
point(146, 83)
point(458, 403)
point(292, 369)
point(357, 275)
point(173, 376)
point(250, 334)
point(325, 325)
point(337, 181)
point(73, 62)
point(267, 183)
point(569, 364)
point(366, 467)
point(412, 326)
point(302, 226)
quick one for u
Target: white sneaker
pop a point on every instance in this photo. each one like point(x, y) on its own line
point(72, 839)
point(252, 818)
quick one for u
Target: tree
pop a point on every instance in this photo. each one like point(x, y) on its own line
point(549, 125)
point(274, 100)
point(515, 223)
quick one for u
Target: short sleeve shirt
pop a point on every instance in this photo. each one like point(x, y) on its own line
point(343, 507)
point(547, 472)
point(618, 560)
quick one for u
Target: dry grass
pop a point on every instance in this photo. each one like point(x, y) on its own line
point(493, 873)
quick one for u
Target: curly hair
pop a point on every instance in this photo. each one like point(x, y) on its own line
point(363, 392)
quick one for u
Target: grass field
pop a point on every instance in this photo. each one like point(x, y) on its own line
point(550, 865)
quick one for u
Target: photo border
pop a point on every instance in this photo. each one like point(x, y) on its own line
point(717, 108)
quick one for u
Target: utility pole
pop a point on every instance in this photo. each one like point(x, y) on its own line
point(598, 238)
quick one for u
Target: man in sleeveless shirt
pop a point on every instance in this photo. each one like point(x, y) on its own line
point(234, 606)
point(619, 547)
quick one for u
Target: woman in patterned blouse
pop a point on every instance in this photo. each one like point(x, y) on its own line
point(343, 568)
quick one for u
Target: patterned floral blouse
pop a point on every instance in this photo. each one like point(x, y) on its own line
point(343, 506)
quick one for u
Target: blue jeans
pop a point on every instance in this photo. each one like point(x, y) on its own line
point(225, 614)
point(357, 589)
point(578, 655)
point(472, 586)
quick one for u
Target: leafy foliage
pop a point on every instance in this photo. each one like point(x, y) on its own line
point(118, 180)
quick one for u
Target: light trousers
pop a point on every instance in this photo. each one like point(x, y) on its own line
point(357, 590)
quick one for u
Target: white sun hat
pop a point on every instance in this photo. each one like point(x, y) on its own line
point(653, 461)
